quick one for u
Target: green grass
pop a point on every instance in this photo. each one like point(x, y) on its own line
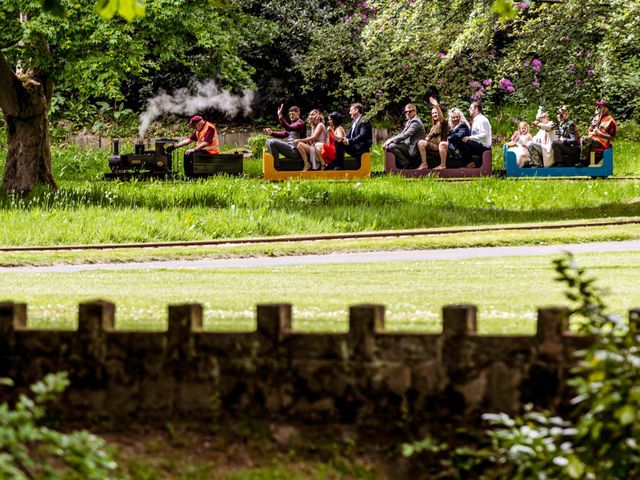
point(106, 212)
point(471, 238)
point(87, 209)
point(507, 291)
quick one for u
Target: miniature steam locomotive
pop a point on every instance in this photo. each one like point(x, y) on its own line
point(159, 163)
point(142, 163)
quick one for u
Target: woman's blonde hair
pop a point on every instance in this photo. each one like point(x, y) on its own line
point(457, 111)
point(314, 112)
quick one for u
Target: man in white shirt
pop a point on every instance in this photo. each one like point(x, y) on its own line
point(480, 139)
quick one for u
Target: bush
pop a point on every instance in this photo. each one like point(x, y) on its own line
point(629, 130)
point(602, 437)
point(256, 144)
point(32, 450)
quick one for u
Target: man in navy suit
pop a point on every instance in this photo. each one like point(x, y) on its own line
point(358, 139)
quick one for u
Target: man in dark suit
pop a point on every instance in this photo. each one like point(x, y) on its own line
point(358, 139)
point(566, 147)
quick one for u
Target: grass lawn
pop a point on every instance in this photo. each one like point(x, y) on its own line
point(89, 210)
point(507, 291)
point(102, 212)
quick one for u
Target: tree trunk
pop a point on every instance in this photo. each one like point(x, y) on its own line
point(25, 103)
point(29, 157)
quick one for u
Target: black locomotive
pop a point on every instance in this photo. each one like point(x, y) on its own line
point(142, 163)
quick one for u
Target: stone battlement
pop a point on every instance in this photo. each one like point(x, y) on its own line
point(365, 376)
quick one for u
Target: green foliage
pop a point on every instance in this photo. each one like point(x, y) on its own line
point(127, 9)
point(30, 449)
point(256, 144)
point(627, 131)
point(600, 440)
point(94, 73)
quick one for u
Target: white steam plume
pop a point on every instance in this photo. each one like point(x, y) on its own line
point(191, 101)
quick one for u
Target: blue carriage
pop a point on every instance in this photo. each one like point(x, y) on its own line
point(600, 166)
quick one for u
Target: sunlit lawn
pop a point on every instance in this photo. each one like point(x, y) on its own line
point(507, 291)
point(89, 210)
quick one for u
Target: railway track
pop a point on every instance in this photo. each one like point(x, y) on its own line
point(333, 236)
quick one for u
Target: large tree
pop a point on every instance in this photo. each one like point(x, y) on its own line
point(25, 96)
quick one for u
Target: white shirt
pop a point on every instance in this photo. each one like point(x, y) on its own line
point(481, 130)
point(353, 125)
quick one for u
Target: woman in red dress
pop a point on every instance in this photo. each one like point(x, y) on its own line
point(327, 151)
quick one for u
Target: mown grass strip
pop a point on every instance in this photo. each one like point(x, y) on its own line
point(507, 290)
point(523, 236)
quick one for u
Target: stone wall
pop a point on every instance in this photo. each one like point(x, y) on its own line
point(366, 376)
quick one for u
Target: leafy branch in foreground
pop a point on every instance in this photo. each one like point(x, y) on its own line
point(29, 449)
point(600, 439)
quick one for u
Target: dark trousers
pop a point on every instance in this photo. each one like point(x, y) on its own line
point(564, 154)
point(589, 145)
point(476, 148)
point(276, 147)
point(341, 149)
point(403, 158)
point(188, 160)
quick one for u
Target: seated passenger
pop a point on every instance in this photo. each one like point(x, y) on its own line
point(358, 140)
point(601, 131)
point(540, 151)
point(327, 152)
point(480, 139)
point(566, 147)
point(292, 131)
point(405, 144)
point(438, 133)
point(454, 150)
point(519, 143)
point(204, 135)
point(306, 146)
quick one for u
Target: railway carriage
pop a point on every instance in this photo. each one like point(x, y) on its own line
point(600, 166)
point(484, 169)
point(285, 169)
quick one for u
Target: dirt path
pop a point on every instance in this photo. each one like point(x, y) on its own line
point(359, 257)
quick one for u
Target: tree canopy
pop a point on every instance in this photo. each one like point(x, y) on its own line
point(330, 52)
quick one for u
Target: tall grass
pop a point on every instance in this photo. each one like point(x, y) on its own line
point(99, 211)
point(89, 209)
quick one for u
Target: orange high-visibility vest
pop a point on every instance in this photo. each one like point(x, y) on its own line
point(603, 126)
point(213, 147)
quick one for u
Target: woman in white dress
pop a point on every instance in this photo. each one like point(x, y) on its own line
point(540, 152)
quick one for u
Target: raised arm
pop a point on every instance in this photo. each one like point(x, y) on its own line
point(436, 105)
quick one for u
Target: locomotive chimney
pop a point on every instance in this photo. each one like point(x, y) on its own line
point(116, 146)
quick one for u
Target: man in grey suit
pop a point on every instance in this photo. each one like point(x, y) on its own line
point(405, 144)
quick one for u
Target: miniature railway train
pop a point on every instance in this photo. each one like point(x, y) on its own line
point(159, 163)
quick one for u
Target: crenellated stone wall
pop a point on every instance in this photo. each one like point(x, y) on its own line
point(366, 376)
